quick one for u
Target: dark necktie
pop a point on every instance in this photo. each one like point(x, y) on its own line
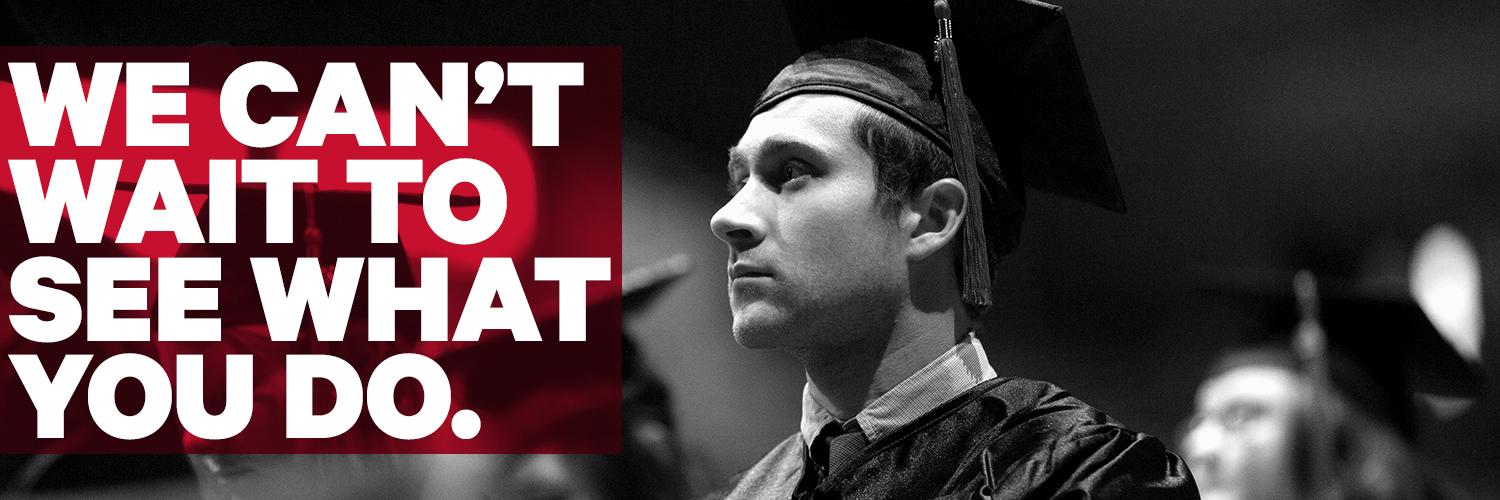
point(836, 446)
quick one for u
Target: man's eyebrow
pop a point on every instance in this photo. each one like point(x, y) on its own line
point(737, 160)
point(768, 147)
point(737, 163)
point(779, 144)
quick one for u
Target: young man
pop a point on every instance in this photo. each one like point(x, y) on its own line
point(869, 202)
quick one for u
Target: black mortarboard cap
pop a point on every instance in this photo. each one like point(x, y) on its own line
point(1381, 347)
point(642, 286)
point(326, 224)
point(1022, 97)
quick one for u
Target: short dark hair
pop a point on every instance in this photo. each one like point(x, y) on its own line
point(906, 162)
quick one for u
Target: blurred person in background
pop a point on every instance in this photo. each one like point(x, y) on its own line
point(650, 465)
point(1317, 399)
point(327, 225)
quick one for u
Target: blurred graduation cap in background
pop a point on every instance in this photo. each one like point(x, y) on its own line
point(1383, 347)
point(1001, 89)
point(326, 225)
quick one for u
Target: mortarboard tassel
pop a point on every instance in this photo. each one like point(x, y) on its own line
point(976, 286)
point(312, 236)
point(1311, 346)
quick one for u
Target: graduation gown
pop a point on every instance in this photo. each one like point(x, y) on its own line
point(1006, 438)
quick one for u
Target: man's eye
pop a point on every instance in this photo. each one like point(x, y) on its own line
point(794, 170)
point(1239, 415)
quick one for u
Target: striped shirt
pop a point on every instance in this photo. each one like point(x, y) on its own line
point(950, 375)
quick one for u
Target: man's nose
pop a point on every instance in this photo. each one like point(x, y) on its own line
point(739, 222)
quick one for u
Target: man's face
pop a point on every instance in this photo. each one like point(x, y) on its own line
point(811, 257)
point(1239, 445)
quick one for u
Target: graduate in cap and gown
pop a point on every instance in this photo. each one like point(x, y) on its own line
point(879, 182)
point(1317, 398)
point(326, 225)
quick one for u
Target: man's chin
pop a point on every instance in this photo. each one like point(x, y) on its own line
point(754, 338)
point(757, 331)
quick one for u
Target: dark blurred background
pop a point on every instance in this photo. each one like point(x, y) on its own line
point(1248, 134)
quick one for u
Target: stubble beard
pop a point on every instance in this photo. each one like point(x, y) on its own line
point(808, 329)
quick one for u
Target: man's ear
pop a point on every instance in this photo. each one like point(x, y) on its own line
point(938, 213)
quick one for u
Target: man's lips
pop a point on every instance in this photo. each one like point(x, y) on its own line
point(743, 270)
